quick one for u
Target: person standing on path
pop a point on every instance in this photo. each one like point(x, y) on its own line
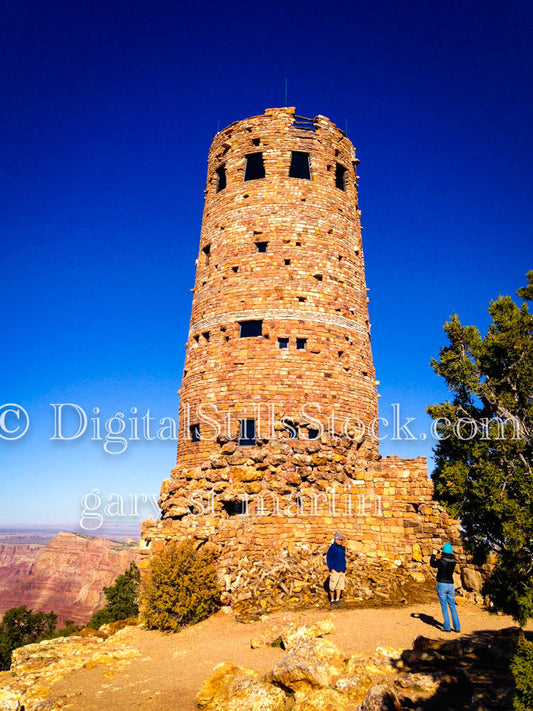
point(336, 561)
point(445, 588)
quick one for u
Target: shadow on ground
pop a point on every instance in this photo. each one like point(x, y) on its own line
point(472, 671)
point(427, 619)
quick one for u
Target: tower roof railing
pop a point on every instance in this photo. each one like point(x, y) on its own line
point(304, 123)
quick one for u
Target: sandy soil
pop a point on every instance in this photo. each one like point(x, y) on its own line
point(172, 667)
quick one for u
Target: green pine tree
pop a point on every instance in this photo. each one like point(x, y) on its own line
point(483, 471)
point(122, 599)
point(21, 626)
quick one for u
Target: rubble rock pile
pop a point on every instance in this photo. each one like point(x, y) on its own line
point(465, 672)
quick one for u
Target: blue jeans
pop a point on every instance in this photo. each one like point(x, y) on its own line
point(446, 593)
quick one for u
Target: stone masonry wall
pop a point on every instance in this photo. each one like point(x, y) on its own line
point(271, 511)
point(309, 284)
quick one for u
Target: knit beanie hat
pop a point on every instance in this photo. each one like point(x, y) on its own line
point(337, 536)
point(447, 548)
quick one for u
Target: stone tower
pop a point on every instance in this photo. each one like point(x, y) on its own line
point(278, 442)
point(279, 323)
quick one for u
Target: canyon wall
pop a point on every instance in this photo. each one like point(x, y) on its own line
point(66, 576)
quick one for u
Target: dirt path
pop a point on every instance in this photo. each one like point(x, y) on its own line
point(171, 668)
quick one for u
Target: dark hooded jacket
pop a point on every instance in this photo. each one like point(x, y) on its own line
point(445, 566)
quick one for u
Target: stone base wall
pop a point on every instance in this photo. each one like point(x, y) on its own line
point(274, 509)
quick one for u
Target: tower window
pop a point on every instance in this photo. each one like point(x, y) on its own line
point(255, 168)
point(195, 433)
point(246, 433)
point(207, 253)
point(261, 246)
point(291, 429)
point(251, 329)
point(221, 178)
point(283, 343)
point(287, 262)
point(300, 165)
point(301, 344)
point(340, 177)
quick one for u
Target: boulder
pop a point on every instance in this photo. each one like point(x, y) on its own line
point(472, 579)
point(312, 663)
point(234, 688)
point(287, 637)
point(381, 698)
point(323, 700)
point(291, 636)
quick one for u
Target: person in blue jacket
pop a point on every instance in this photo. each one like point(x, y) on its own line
point(336, 561)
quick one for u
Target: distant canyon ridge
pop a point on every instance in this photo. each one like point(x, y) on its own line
point(66, 576)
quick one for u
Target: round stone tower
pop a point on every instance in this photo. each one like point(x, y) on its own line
point(279, 330)
point(278, 440)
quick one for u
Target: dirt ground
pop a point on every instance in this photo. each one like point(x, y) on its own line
point(171, 667)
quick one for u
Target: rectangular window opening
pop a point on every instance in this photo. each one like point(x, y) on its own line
point(312, 433)
point(195, 433)
point(207, 254)
point(287, 262)
point(300, 166)
point(251, 329)
point(340, 177)
point(283, 343)
point(261, 246)
point(246, 433)
point(221, 178)
point(235, 508)
point(291, 429)
point(255, 169)
point(301, 344)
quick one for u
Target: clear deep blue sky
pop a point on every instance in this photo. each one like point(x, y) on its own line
point(108, 111)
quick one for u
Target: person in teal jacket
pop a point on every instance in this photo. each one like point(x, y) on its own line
point(445, 587)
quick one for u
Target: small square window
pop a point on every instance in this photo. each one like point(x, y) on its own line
point(251, 329)
point(246, 433)
point(312, 433)
point(283, 343)
point(340, 177)
point(287, 262)
point(221, 178)
point(255, 168)
point(195, 433)
point(261, 246)
point(300, 166)
point(291, 429)
point(301, 344)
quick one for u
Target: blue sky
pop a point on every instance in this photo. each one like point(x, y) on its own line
point(108, 111)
